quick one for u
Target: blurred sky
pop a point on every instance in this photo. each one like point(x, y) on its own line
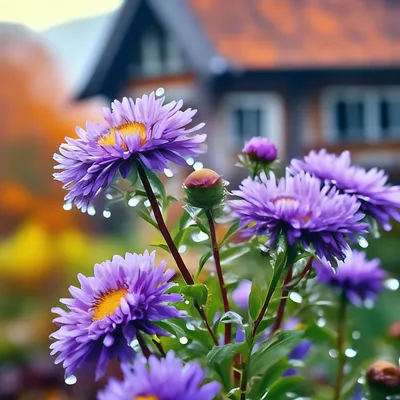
point(43, 14)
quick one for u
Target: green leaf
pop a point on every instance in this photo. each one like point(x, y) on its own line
point(256, 299)
point(283, 386)
point(161, 246)
point(181, 235)
point(172, 328)
point(204, 258)
point(231, 317)
point(232, 253)
point(321, 334)
point(198, 292)
point(231, 231)
point(266, 380)
point(214, 300)
point(274, 349)
point(146, 216)
point(219, 354)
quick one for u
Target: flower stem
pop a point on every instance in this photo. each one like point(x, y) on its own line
point(341, 324)
point(282, 303)
point(170, 243)
point(215, 249)
point(243, 382)
point(159, 346)
point(146, 351)
point(163, 228)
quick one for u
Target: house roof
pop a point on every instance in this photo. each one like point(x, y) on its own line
point(287, 34)
point(258, 35)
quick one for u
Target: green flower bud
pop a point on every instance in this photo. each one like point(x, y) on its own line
point(383, 378)
point(204, 189)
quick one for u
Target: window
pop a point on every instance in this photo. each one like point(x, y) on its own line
point(252, 114)
point(158, 54)
point(361, 114)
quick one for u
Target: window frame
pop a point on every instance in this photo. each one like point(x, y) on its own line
point(271, 103)
point(370, 97)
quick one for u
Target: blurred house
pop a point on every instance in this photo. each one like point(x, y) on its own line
point(304, 73)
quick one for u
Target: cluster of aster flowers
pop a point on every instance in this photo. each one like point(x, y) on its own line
point(318, 209)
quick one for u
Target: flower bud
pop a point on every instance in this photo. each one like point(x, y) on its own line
point(260, 149)
point(384, 377)
point(204, 189)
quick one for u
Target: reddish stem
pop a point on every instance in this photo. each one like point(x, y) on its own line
point(282, 303)
point(146, 351)
point(215, 249)
point(171, 245)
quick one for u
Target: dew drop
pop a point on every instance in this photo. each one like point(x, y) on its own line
point(190, 326)
point(321, 322)
point(71, 380)
point(147, 203)
point(91, 210)
point(202, 236)
point(333, 353)
point(133, 202)
point(392, 284)
point(187, 302)
point(190, 161)
point(295, 297)
point(106, 214)
point(168, 173)
point(134, 343)
point(160, 91)
point(67, 206)
point(350, 353)
point(320, 313)
point(356, 335)
point(361, 380)
point(109, 196)
point(182, 249)
point(183, 340)
point(197, 166)
point(362, 242)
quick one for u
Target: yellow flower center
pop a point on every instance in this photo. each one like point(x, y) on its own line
point(146, 398)
point(107, 303)
point(129, 128)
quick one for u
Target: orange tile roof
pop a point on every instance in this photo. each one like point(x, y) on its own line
point(262, 34)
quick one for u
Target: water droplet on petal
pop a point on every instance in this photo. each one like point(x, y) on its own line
point(106, 214)
point(67, 206)
point(183, 340)
point(71, 380)
point(392, 284)
point(160, 91)
point(91, 210)
point(350, 353)
point(190, 161)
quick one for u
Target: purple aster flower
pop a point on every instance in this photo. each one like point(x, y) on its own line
point(359, 278)
point(241, 294)
point(379, 200)
point(145, 130)
point(124, 296)
point(315, 216)
point(261, 149)
point(161, 379)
